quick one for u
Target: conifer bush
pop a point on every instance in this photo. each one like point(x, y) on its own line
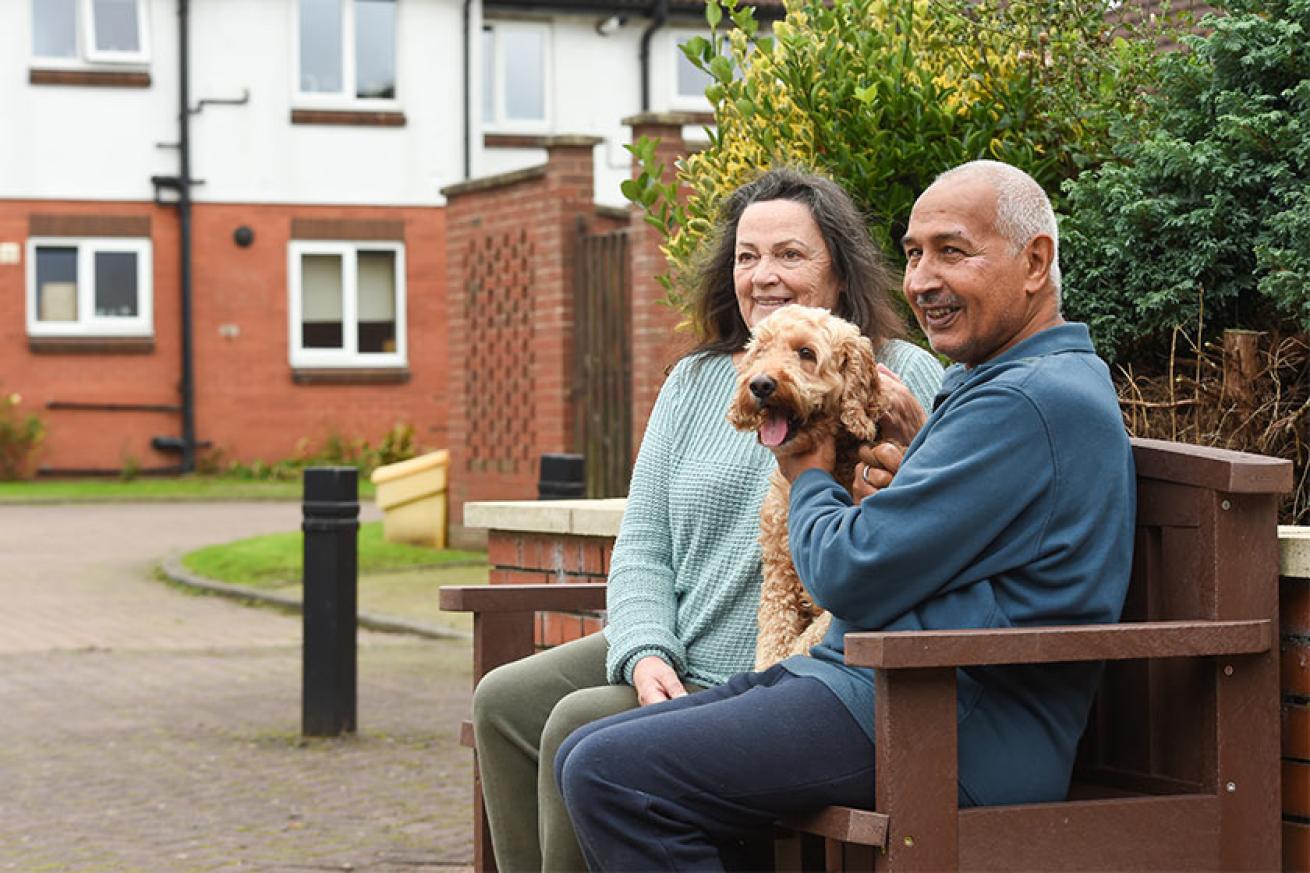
point(1202, 219)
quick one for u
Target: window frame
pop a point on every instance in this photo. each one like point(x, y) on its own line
point(500, 123)
point(349, 356)
point(88, 323)
point(87, 55)
point(345, 98)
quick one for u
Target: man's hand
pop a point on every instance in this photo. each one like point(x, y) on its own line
point(821, 457)
point(878, 464)
point(903, 416)
point(655, 681)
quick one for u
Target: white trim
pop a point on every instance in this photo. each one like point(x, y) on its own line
point(501, 123)
point(345, 98)
point(88, 323)
point(349, 355)
point(96, 56)
point(678, 100)
point(87, 56)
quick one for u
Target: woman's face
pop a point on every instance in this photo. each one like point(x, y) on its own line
point(781, 258)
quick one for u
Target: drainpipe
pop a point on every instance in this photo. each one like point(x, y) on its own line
point(468, 99)
point(187, 385)
point(659, 16)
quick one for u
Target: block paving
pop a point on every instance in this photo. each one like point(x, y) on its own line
point(143, 728)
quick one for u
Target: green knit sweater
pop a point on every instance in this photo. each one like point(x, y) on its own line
point(685, 576)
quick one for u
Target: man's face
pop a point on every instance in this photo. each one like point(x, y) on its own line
point(973, 295)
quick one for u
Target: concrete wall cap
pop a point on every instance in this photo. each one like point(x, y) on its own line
point(672, 119)
point(592, 518)
point(500, 180)
point(572, 140)
point(1294, 551)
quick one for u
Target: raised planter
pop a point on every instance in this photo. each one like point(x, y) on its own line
point(412, 497)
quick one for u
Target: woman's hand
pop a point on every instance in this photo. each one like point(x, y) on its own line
point(878, 465)
point(655, 681)
point(903, 415)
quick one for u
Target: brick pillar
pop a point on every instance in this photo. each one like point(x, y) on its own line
point(569, 194)
point(654, 344)
point(509, 246)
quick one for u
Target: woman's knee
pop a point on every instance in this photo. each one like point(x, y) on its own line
point(583, 707)
point(499, 693)
point(582, 769)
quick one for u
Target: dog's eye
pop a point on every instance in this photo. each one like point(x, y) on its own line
point(805, 353)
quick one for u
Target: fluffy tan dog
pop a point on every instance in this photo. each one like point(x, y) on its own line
point(807, 374)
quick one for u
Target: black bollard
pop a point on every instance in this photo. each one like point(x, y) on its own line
point(331, 526)
point(562, 477)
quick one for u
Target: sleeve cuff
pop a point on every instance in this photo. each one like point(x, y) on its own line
point(621, 672)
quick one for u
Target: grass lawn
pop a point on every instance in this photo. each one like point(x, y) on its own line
point(394, 579)
point(154, 488)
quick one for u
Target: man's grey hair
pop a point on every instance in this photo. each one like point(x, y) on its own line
point(1023, 211)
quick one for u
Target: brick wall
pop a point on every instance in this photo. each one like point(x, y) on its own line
point(655, 343)
point(510, 278)
point(247, 402)
point(529, 558)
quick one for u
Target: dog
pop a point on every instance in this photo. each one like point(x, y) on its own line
point(807, 374)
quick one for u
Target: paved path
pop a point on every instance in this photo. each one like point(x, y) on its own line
point(147, 729)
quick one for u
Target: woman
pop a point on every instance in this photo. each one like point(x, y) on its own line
point(685, 574)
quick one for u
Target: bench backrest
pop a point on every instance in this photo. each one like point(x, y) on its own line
point(1206, 548)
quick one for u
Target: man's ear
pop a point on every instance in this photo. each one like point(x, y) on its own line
point(1038, 256)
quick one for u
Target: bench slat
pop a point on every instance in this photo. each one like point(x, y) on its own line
point(561, 596)
point(842, 823)
point(1044, 645)
point(466, 734)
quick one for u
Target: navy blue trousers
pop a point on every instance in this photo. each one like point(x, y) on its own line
point(681, 784)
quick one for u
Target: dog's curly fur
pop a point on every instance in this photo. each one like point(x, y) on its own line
point(826, 380)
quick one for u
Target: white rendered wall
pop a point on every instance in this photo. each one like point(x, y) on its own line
point(84, 143)
point(595, 83)
point(63, 142)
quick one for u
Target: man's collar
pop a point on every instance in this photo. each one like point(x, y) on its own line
point(1071, 336)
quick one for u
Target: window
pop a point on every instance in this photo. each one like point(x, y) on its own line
point(89, 287)
point(347, 304)
point(81, 32)
point(346, 50)
point(688, 82)
point(514, 92)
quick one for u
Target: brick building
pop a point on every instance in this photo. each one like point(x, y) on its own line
point(276, 268)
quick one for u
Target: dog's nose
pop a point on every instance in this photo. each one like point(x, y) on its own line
point(763, 386)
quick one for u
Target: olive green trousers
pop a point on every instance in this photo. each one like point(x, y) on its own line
point(521, 713)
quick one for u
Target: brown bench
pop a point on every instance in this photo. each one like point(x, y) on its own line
point(1179, 765)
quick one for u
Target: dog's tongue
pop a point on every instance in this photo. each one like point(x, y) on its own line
point(774, 431)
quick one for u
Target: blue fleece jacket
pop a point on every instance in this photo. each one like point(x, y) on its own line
point(1014, 506)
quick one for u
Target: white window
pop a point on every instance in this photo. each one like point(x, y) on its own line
point(688, 82)
point(72, 33)
point(347, 304)
point(89, 287)
point(345, 51)
point(515, 84)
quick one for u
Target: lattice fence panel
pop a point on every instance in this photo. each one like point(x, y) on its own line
point(499, 372)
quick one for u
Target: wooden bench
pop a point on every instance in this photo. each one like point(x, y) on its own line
point(1179, 766)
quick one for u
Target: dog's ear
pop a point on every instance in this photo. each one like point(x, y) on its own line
point(860, 402)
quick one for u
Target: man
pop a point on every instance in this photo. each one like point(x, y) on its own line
point(1013, 505)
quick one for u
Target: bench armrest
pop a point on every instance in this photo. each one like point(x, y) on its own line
point(555, 597)
point(1046, 645)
